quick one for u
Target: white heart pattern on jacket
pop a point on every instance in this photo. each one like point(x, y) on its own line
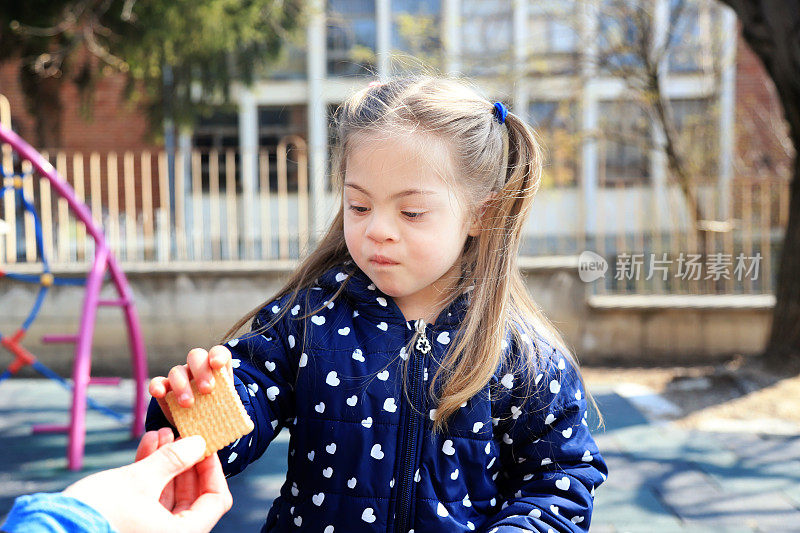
point(358, 355)
point(318, 319)
point(272, 393)
point(383, 376)
point(352, 400)
point(389, 405)
point(383, 326)
point(368, 515)
point(443, 338)
point(447, 448)
point(331, 379)
point(317, 499)
point(376, 452)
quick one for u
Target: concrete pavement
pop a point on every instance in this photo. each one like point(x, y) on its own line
point(662, 477)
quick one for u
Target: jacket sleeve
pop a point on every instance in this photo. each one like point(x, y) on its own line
point(265, 363)
point(45, 512)
point(550, 462)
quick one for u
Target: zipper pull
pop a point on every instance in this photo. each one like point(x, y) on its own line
point(422, 345)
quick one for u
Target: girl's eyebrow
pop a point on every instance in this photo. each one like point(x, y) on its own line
point(401, 194)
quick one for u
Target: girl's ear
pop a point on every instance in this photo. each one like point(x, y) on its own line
point(477, 220)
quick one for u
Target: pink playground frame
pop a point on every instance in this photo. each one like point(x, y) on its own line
point(103, 259)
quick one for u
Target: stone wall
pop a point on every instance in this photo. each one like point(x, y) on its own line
point(183, 309)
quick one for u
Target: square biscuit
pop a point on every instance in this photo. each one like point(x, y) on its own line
point(219, 417)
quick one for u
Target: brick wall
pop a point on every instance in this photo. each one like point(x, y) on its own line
point(114, 125)
point(762, 146)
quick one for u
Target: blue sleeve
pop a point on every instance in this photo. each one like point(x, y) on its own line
point(53, 513)
point(265, 363)
point(551, 464)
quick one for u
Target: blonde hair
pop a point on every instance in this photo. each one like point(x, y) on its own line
point(501, 162)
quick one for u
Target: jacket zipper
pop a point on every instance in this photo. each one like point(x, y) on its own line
point(423, 346)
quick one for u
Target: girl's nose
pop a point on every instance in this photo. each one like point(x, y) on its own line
point(381, 228)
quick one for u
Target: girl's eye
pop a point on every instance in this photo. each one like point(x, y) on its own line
point(413, 215)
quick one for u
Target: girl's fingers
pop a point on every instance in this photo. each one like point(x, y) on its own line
point(219, 356)
point(179, 381)
point(198, 361)
point(159, 386)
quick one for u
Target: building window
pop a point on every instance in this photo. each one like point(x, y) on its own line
point(552, 45)
point(216, 135)
point(556, 122)
point(416, 34)
point(698, 136)
point(624, 144)
point(621, 35)
point(486, 37)
point(351, 36)
point(695, 28)
point(274, 124)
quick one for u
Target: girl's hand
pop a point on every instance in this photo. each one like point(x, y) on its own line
point(199, 364)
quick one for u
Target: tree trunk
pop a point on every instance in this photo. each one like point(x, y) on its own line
point(784, 339)
point(770, 27)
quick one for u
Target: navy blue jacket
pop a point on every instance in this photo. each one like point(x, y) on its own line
point(361, 459)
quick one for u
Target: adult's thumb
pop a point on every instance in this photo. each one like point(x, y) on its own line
point(174, 458)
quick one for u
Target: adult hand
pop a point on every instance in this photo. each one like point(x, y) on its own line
point(131, 497)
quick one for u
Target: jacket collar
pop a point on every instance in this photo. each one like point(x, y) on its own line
point(369, 300)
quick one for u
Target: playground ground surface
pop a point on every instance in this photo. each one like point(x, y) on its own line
point(689, 448)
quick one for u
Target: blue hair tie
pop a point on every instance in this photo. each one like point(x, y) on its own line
point(500, 112)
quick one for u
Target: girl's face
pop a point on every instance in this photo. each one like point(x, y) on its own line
point(403, 225)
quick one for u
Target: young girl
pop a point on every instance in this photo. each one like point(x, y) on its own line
point(422, 387)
